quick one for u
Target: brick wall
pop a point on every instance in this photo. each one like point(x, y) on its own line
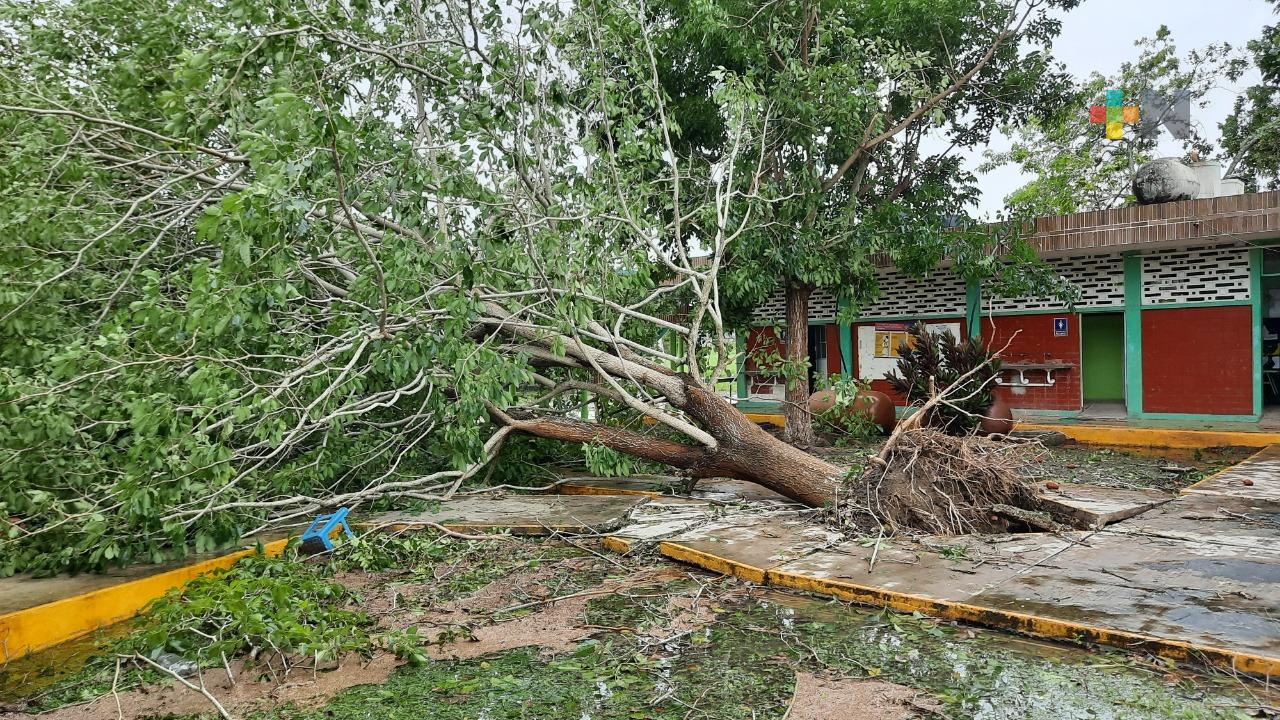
point(1198, 360)
point(1035, 342)
point(765, 341)
point(833, 350)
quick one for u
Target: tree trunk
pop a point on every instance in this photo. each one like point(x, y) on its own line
point(799, 423)
point(745, 451)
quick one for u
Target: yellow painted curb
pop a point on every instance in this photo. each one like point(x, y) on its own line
point(1157, 437)
point(612, 543)
point(767, 418)
point(43, 626)
point(756, 417)
point(714, 563)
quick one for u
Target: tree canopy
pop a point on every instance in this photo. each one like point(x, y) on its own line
point(261, 257)
point(1251, 134)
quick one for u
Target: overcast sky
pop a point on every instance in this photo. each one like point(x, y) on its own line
point(1099, 35)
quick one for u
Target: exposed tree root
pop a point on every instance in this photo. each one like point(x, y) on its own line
point(1037, 520)
point(926, 480)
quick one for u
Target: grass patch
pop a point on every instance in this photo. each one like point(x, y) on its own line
point(1133, 468)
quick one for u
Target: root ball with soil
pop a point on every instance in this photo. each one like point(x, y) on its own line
point(934, 474)
point(928, 481)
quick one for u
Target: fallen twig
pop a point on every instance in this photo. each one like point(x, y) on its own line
point(115, 693)
point(198, 688)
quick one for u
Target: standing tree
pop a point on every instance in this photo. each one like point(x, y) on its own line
point(1073, 166)
point(870, 102)
point(1251, 134)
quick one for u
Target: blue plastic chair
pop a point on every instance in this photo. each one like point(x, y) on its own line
point(322, 528)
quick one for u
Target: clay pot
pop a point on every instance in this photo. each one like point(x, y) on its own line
point(998, 420)
point(881, 408)
point(873, 403)
point(822, 401)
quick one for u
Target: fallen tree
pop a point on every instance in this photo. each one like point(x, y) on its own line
point(331, 257)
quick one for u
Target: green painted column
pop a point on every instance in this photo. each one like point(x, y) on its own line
point(846, 343)
point(846, 350)
point(740, 340)
point(1133, 334)
point(973, 309)
point(1255, 289)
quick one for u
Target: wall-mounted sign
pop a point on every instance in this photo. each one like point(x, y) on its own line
point(872, 339)
point(890, 336)
point(1059, 327)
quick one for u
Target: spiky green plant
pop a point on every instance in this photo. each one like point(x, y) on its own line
point(935, 361)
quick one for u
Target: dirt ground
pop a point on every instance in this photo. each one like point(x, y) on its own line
point(484, 622)
point(820, 697)
point(584, 634)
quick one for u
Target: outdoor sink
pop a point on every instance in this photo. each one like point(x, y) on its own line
point(1022, 368)
point(1046, 365)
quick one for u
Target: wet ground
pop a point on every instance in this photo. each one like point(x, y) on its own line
point(743, 664)
point(557, 631)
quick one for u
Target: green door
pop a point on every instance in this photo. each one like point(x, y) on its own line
point(1102, 356)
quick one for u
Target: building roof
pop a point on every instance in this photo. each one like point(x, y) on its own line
point(1252, 216)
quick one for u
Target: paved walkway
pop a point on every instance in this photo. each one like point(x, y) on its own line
point(1257, 477)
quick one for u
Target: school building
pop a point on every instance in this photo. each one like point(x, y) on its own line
point(1179, 317)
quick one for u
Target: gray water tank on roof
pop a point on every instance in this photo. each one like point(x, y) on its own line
point(1165, 180)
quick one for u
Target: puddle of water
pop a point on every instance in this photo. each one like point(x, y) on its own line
point(28, 676)
point(1239, 569)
